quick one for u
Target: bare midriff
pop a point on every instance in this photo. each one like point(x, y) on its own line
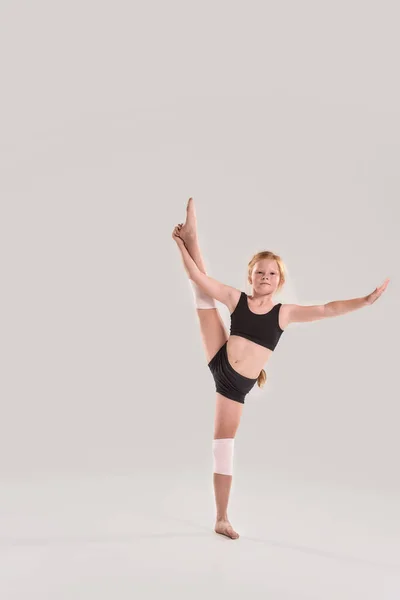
point(247, 357)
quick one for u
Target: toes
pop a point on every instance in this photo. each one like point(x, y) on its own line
point(228, 531)
point(232, 533)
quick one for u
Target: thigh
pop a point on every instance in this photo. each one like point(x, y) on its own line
point(213, 331)
point(227, 417)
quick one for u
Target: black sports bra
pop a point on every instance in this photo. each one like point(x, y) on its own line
point(263, 329)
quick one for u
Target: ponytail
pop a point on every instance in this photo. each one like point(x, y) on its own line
point(262, 378)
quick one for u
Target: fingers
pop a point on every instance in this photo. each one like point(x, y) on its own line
point(384, 285)
point(176, 236)
point(379, 290)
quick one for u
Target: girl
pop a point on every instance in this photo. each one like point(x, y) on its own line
point(236, 360)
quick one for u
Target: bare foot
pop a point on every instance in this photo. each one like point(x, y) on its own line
point(225, 528)
point(188, 230)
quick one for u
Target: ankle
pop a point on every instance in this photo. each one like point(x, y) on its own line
point(222, 518)
point(191, 237)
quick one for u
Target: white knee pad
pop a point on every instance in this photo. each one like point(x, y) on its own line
point(223, 456)
point(202, 300)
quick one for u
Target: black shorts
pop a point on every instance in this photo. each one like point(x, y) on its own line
point(229, 382)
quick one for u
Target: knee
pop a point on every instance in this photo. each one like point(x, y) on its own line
point(223, 455)
point(226, 428)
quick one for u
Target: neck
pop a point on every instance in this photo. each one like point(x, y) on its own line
point(262, 299)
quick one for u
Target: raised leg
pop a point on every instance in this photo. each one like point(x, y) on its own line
point(212, 328)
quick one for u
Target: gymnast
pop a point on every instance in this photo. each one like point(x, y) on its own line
point(236, 361)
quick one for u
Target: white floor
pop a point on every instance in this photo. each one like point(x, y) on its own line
point(151, 536)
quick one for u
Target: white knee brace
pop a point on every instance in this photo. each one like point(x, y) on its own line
point(202, 300)
point(223, 455)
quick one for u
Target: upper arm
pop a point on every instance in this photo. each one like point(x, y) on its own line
point(295, 313)
point(226, 294)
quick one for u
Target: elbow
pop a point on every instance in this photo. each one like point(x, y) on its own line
point(329, 310)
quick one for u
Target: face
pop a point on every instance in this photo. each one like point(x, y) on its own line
point(265, 277)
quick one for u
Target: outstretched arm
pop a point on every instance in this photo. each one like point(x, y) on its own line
point(300, 314)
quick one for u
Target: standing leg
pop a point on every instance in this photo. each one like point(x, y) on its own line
point(227, 419)
point(228, 412)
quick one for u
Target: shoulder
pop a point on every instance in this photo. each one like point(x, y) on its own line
point(235, 297)
point(284, 314)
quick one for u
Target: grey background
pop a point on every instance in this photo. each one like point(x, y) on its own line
point(282, 121)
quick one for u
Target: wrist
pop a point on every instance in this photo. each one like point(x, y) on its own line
point(365, 301)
